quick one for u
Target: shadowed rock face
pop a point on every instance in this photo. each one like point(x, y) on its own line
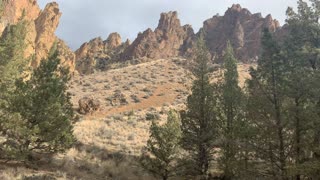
point(40, 29)
point(243, 29)
point(166, 41)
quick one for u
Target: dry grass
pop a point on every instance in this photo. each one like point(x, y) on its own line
point(111, 139)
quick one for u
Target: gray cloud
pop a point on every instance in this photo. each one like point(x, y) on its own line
point(83, 20)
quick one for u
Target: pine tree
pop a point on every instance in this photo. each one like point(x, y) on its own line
point(302, 50)
point(199, 123)
point(267, 111)
point(163, 145)
point(44, 109)
point(232, 116)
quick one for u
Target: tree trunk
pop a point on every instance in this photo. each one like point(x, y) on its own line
point(277, 109)
point(298, 138)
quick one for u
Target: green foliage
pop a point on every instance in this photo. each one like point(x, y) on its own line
point(2, 5)
point(233, 125)
point(44, 111)
point(163, 145)
point(267, 109)
point(199, 122)
point(152, 116)
point(302, 51)
point(284, 98)
point(12, 66)
point(12, 60)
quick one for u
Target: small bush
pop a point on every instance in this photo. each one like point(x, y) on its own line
point(135, 98)
point(152, 116)
point(107, 87)
point(87, 85)
point(131, 137)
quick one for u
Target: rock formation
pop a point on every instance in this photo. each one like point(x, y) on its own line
point(170, 39)
point(166, 41)
point(12, 11)
point(40, 30)
point(243, 29)
point(96, 53)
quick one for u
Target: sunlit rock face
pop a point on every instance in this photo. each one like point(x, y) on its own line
point(41, 28)
point(95, 54)
point(165, 41)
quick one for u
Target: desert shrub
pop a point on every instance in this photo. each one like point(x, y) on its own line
point(152, 116)
point(135, 98)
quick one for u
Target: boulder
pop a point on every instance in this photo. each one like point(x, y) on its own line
point(88, 105)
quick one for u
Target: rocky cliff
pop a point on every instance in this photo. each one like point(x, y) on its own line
point(169, 39)
point(238, 25)
point(41, 28)
point(243, 29)
point(165, 41)
point(96, 53)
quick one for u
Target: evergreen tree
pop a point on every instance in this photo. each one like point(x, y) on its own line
point(163, 145)
point(12, 60)
point(232, 116)
point(12, 65)
point(267, 111)
point(44, 110)
point(199, 122)
point(302, 50)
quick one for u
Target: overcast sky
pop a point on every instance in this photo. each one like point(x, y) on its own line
point(83, 20)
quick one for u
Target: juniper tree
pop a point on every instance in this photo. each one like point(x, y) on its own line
point(12, 59)
point(12, 65)
point(231, 116)
point(199, 123)
point(163, 145)
point(44, 110)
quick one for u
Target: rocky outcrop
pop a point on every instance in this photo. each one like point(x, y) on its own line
point(170, 39)
point(40, 29)
point(166, 41)
point(66, 55)
point(12, 11)
point(243, 29)
point(86, 54)
point(46, 25)
point(113, 41)
point(238, 25)
point(95, 54)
